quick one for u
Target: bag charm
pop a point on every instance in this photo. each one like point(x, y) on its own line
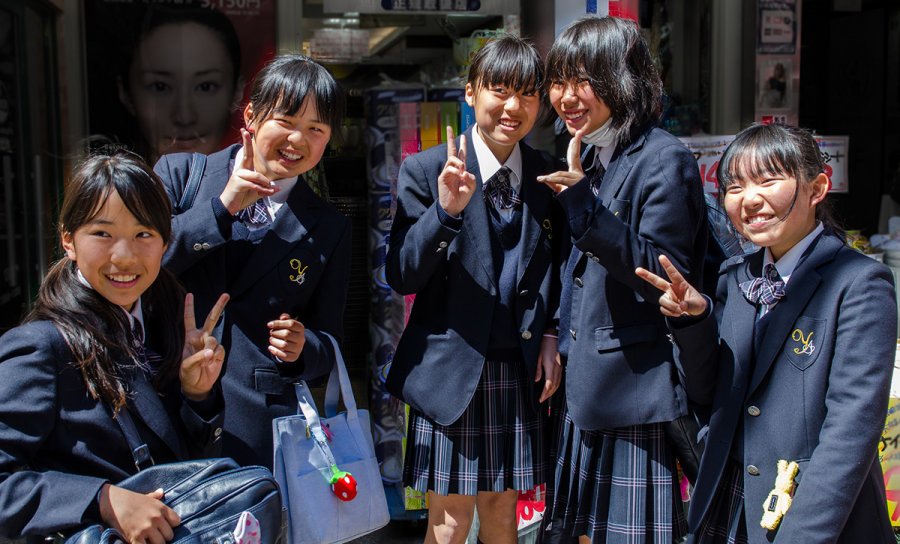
point(343, 484)
point(779, 499)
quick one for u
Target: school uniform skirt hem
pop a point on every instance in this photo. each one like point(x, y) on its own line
point(615, 485)
point(495, 445)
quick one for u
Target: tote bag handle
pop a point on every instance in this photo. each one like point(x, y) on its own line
point(339, 385)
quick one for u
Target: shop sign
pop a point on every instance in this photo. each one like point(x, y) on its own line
point(708, 151)
point(481, 7)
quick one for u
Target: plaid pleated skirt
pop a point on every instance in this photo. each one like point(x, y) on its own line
point(615, 485)
point(496, 445)
point(725, 523)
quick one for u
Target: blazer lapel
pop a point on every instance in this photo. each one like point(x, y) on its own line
point(149, 408)
point(741, 318)
point(534, 211)
point(803, 284)
point(619, 166)
point(292, 224)
point(475, 216)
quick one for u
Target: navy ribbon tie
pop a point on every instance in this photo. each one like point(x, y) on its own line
point(597, 177)
point(499, 192)
point(255, 214)
point(767, 290)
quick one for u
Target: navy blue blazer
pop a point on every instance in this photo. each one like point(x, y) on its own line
point(440, 356)
point(816, 393)
point(301, 267)
point(619, 365)
point(58, 445)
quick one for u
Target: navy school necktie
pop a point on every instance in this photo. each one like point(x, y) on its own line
point(499, 192)
point(767, 290)
point(596, 176)
point(255, 214)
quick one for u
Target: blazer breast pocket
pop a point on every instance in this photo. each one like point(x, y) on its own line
point(805, 341)
point(620, 208)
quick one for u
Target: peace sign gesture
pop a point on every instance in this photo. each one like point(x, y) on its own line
point(562, 180)
point(202, 356)
point(246, 186)
point(679, 298)
point(455, 185)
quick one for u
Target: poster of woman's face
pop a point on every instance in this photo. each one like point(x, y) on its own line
point(168, 77)
point(775, 91)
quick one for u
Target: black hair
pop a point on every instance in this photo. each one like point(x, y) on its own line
point(612, 56)
point(156, 16)
point(760, 151)
point(285, 82)
point(96, 330)
point(509, 61)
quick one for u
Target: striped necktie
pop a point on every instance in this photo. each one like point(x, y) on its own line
point(255, 214)
point(767, 290)
point(499, 192)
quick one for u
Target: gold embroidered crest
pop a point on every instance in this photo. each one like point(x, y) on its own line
point(806, 346)
point(300, 277)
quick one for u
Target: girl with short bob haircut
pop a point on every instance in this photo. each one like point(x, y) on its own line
point(475, 238)
point(639, 196)
point(257, 230)
point(105, 335)
point(793, 360)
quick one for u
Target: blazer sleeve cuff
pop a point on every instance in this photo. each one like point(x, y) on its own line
point(448, 220)
point(578, 201)
point(224, 219)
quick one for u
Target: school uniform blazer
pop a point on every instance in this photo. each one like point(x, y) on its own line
point(619, 365)
point(301, 267)
point(439, 359)
point(816, 393)
point(58, 445)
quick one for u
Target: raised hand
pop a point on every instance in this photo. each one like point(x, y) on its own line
point(287, 336)
point(203, 356)
point(455, 185)
point(562, 180)
point(679, 298)
point(139, 518)
point(246, 186)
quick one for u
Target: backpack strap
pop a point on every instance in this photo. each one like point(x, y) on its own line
point(198, 164)
point(140, 452)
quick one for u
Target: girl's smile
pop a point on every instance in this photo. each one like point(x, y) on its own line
point(577, 105)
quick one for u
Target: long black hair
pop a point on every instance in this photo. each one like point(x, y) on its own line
point(760, 151)
point(612, 56)
point(96, 330)
point(285, 82)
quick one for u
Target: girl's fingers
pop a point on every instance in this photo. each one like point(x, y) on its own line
point(247, 140)
point(215, 313)
point(652, 279)
point(278, 353)
point(451, 144)
point(673, 273)
point(573, 154)
point(461, 154)
point(190, 322)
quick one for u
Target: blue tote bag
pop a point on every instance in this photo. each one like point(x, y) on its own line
point(307, 448)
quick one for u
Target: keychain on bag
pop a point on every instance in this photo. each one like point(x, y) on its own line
point(343, 484)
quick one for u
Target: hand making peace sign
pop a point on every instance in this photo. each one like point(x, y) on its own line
point(679, 298)
point(202, 356)
point(246, 186)
point(562, 180)
point(455, 185)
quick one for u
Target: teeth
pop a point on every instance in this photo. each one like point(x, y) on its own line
point(123, 278)
point(573, 116)
point(758, 219)
point(291, 156)
point(510, 124)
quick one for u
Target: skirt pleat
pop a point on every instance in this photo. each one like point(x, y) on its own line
point(616, 485)
point(495, 445)
point(724, 522)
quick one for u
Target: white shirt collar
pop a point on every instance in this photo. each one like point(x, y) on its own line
point(488, 163)
point(604, 155)
point(137, 314)
point(275, 201)
point(791, 258)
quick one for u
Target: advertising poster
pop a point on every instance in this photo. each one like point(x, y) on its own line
point(777, 27)
point(708, 151)
point(775, 81)
point(481, 7)
point(167, 76)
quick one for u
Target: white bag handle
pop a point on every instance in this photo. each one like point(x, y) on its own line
point(338, 376)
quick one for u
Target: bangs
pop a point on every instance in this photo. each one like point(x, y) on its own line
point(286, 83)
point(758, 153)
point(508, 61)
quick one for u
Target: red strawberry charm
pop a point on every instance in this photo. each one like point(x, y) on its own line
point(343, 485)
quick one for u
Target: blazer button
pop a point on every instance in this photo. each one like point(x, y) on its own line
point(526, 335)
point(579, 282)
point(595, 259)
point(198, 246)
point(523, 292)
point(589, 255)
point(442, 245)
point(752, 470)
point(218, 432)
point(205, 246)
point(753, 411)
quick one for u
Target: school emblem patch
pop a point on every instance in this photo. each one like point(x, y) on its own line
point(805, 342)
point(300, 276)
